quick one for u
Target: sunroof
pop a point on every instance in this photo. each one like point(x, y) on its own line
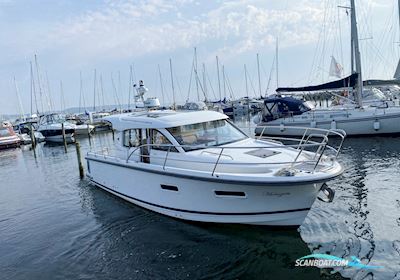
point(153, 114)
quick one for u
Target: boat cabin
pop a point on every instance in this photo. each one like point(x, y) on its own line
point(51, 119)
point(281, 107)
point(157, 132)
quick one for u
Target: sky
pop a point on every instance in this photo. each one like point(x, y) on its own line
point(77, 38)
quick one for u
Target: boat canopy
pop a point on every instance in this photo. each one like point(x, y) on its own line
point(161, 119)
point(350, 81)
point(279, 107)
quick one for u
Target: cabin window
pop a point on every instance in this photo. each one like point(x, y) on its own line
point(131, 138)
point(160, 142)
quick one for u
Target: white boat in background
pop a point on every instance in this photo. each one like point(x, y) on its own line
point(25, 138)
point(83, 129)
point(23, 130)
point(8, 138)
point(281, 114)
point(198, 166)
point(39, 137)
point(194, 106)
point(51, 125)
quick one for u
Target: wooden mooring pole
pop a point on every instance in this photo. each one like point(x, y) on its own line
point(78, 155)
point(64, 138)
point(33, 139)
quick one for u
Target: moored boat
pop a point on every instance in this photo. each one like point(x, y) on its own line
point(198, 166)
point(51, 127)
point(281, 114)
point(8, 138)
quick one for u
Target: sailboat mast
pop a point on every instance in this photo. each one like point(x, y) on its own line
point(277, 62)
point(398, 3)
point(204, 82)
point(219, 81)
point(357, 55)
point(102, 91)
point(21, 109)
point(196, 74)
point(259, 77)
point(94, 91)
point(33, 91)
point(62, 105)
point(39, 85)
point(224, 80)
point(130, 86)
point(245, 78)
point(161, 85)
point(50, 101)
point(352, 51)
point(397, 71)
point(172, 85)
point(80, 91)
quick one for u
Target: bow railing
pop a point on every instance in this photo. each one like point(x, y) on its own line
point(310, 149)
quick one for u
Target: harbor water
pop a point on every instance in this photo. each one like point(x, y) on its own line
point(55, 226)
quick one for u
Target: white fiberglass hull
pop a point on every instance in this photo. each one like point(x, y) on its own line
point(206, 199)
point(84, 129)
point(54, 133)
point(370, 121)
point(69, 138)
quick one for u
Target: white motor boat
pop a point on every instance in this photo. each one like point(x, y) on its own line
point(39, 137)
point(50, 126)
point(194, 106)
point(25, 138)
point(83, 129)
point(198, 166)
point(8, 138)
point(23, 129)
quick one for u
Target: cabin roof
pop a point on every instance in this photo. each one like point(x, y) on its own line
point(161, 119)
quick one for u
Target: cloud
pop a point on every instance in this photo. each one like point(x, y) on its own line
point(122, 29)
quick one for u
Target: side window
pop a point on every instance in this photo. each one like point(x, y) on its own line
point(160, 142)
point(131, 138)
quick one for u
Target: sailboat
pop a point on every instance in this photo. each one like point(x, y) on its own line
point(355, 118)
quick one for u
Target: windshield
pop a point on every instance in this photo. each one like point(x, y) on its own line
point(372, 94)
point(206, 134)
point(52, 118)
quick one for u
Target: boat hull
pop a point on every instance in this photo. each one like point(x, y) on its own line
point(9, 145)
point(205, 199)
point(83, 130)
point(365, 125)
point(55, 135)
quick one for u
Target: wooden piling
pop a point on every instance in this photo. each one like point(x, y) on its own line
point(78, 155)
point(113, 134)
point(33, 139)
point(88, 130)
point(64, 138)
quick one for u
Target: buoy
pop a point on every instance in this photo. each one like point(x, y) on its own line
point(282, 127)
point(377, 125)
point(313, 124)
point(333, 124)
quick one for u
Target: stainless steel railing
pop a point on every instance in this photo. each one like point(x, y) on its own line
point(312, 138)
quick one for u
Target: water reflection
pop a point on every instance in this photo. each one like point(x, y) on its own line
point(52, 225)
point(358, 222)
point(154, 246)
